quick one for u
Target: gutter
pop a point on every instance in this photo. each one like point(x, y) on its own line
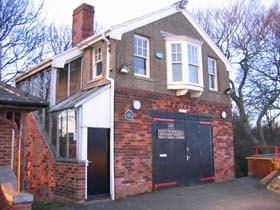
point(112, 95)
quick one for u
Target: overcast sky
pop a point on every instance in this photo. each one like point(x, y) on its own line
point(111, 12)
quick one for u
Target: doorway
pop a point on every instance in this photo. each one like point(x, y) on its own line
point(182, 151)
point(98, 172)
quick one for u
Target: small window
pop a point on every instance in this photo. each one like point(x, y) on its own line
point(97, 63)
point(212, 74)
point(141, 56)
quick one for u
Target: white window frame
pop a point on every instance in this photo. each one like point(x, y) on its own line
point(96, 58)
point(147, 57)
point(214, 74)
point(185, 84)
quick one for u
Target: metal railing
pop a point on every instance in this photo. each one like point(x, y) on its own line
point(276, 155)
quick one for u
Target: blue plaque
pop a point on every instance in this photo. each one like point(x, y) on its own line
point(159, 55)
point(128, 115)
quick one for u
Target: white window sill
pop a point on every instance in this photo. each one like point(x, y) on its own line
point(141, 75)
point(183, 88)
point(95, 79)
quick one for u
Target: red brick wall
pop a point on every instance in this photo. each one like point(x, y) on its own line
point(70, 180)
point(47, 178)
point(5, 144)
point(5, 205)
point(133, 150)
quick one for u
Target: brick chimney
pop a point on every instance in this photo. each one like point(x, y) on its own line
point(82, 26)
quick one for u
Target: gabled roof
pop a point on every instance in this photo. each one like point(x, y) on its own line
point(118, 30)
point(13, 98)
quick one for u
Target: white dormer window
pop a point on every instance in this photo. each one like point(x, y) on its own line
point(97, 63)
point(212, 74)
point(184, 65)
point(141, 56)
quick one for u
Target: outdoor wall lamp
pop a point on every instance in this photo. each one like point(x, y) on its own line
point(231, 89)
point(125, 69)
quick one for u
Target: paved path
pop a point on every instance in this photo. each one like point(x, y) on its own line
point(240, 194)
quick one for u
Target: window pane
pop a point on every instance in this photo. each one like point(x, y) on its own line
point(97, 64)
point(62, 129)
point(75, 76)
point(54, 130)
point(61, 90)
point(177, 72)
point(145, 44)
point(176, 53)
point(211, 82)
point(193, 74)
point(145, 52)
point(193, 55)
point(98, 68)
point(140, 46)
point(139, 51)
point(71, 133)
point(139, 65)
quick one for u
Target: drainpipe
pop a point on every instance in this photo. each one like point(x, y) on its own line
point(112, 93)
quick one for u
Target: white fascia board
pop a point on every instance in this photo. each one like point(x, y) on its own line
point(91, 96)
point(118, 30)
point(60, 60)
point(207, 39)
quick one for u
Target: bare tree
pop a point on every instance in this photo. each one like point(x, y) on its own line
point(248, 34)
point(59, 38)
point(20, 34)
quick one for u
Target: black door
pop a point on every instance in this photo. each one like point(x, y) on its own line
point(169, 153)
point(98, 156)
point(182, 152)
point(206, 150)
point(193, 152)
point(200, 163)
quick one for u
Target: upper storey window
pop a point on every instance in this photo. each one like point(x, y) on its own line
point(68, 80)
point(212, 74)
point(184, 65)
point(141, 56)
point(97, 63)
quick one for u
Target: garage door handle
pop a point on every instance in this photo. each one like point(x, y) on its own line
point(188, 157)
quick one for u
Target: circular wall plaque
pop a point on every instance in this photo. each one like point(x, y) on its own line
point(223, 115)
point(137, 105)
point(128, 115)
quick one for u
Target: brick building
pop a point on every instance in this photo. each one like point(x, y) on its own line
point(14, 104)
point(135, 108)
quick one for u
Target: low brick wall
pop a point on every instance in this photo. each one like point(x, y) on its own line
point(47, 178)
point(70, 180)
point(133, 140)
